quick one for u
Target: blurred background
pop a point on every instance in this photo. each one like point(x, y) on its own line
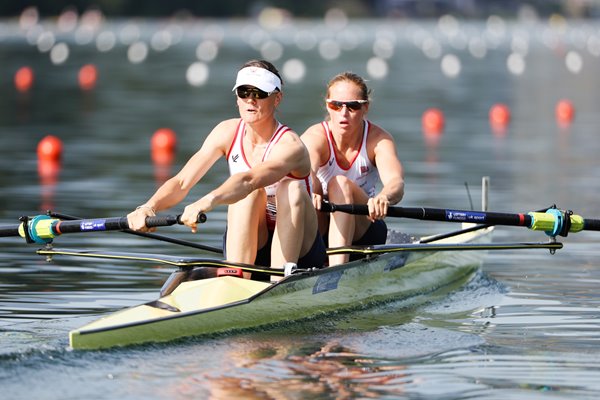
point(314, 8)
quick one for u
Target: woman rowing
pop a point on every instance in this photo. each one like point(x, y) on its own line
point(349, 155)
point(270, 219)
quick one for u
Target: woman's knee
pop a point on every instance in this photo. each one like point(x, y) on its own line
point(292, 193)
point(340, 187)
point(254, 199)
point(245, 211)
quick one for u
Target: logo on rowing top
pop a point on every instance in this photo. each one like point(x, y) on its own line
point(364, 169)
point(331, 161)
point(235, 157)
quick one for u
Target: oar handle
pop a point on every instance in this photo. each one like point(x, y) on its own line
point(42, 228)
point(168, 220)
point(163, 220)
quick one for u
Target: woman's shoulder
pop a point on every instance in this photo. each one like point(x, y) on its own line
point(223, 133)
point(379, 140)
point(315, 132)
point(231, 123)
point(377, 133)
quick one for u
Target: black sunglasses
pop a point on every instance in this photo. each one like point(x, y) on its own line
point(252, 92)
point(353, 105)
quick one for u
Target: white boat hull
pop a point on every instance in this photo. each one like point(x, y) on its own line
point(229, 303)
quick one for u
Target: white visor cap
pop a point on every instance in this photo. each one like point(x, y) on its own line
point(260, 78)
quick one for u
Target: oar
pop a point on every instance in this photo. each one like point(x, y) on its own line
point(149, 235)
point(42, 228)
point(553, 221)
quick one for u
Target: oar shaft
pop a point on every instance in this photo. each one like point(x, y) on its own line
point(438, 214)
point(591, 224)
point(435, 214)
point(553, 221)
point(42, 228)
point(86, 225)
point(9, 230)
point(109, 224)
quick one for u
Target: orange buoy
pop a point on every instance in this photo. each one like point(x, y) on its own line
point(87, 77)
point(433, 121)
point(50, 148)
point(164, 139)
point(24, 79)
point(564, 111)
point(499, 115)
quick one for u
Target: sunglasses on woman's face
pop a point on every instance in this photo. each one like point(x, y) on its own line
point(244, 92)
point(353, 105)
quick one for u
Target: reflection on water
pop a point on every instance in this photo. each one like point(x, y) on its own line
point(524, 327)
point(333, 368)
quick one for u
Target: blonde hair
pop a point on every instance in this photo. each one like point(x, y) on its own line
point(365, 92)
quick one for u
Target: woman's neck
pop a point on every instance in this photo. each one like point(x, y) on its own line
point(260, 133)
point(348, 139)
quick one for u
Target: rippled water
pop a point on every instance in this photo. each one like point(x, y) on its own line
point(526, 326)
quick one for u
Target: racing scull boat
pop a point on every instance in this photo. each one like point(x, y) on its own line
point(229, 303)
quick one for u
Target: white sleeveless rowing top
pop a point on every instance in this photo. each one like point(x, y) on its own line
point(237, 161)
point(361, 170)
